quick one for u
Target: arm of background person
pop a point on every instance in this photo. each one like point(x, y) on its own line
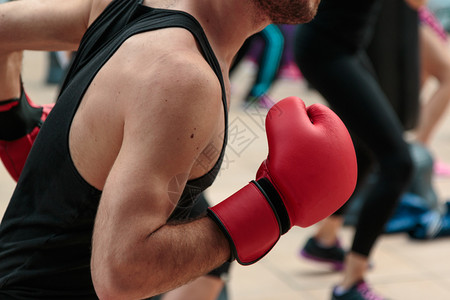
point(43, 24)
point(39, 25)
point(170, 120)
point(10, 68)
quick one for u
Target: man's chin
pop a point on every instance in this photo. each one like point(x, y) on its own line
point(301, 12)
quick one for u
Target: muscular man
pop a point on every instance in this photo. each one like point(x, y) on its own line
point(128, 147)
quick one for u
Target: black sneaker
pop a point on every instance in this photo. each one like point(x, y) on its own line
point(334, 255)
point(360, 291)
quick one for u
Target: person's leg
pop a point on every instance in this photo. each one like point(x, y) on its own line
point(269, 62)
point(357, 98)
point(435, 62)
point(327, 233)
point(378, 127)
point(325, 246)
point(288, 67)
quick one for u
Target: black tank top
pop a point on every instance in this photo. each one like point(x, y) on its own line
point(45, 234)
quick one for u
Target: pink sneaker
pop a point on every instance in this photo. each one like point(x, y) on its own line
point(441, 169)
point(290, 71)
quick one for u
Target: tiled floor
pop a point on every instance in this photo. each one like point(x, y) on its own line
point(403, 268)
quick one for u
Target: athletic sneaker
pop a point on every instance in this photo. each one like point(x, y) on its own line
point(266, 102)
point(441, 169)
point(334, 255)
point(360, 291)
point(263, 102)
point(290, 71)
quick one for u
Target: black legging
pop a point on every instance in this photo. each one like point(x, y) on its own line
point(337, 66)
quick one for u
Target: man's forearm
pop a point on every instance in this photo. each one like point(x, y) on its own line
point(202, 247)
point(10, 67)
point(168, 258)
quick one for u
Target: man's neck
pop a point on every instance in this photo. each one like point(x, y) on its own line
point(227, 24)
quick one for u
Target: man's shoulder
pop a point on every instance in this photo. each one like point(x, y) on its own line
point(189, 66)
point(189, 77)
point(174, 54)
point(182, 74)
point(159, 65)
point(185, 71)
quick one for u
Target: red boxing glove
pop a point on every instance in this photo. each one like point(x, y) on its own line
point(20, 122)
point(310, 172)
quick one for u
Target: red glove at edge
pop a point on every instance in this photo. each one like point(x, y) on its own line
point(20, 124)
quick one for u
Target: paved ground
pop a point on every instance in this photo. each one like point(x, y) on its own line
point(403, 268)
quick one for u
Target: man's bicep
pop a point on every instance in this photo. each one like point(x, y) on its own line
point(43, 24)
point(133, 206)
point(166, 126)
point(133, 191)
point(151, 168)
